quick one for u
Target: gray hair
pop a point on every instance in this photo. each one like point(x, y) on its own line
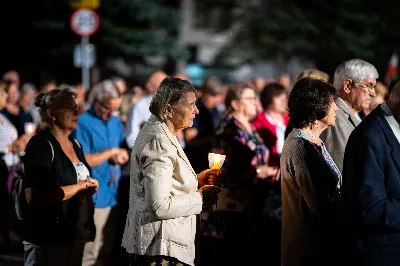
point(171, 91)
point(60, 98)
point(356, 70)
point(28, 88)
point(105, 88)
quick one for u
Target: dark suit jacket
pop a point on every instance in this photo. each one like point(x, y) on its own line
point(371, 192)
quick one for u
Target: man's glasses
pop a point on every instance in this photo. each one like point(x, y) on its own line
point(369, 86)
point(108, 109)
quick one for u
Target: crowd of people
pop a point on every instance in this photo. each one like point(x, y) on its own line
point(123, 176)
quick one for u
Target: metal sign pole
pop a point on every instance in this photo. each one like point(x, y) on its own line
point(85, 22)
point(85, 63)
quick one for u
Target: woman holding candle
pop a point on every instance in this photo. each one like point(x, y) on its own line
point(239, 206)
point(165, 192)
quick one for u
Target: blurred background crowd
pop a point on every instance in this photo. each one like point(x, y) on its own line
point(216, 45)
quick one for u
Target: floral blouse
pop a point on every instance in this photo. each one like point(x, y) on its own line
point(242, 149)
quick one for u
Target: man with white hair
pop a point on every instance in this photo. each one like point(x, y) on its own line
point(355, 82)
point(27, 102)
point(101, 135)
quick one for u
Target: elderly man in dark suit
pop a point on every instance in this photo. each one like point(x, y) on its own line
point(355, 82)
point(371, 186)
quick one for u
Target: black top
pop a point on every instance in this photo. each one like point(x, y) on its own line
point(206, 122)
point(53, 223)
point(18, 120)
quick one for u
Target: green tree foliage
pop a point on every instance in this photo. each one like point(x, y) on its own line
point(130, 29)
point(328, 32)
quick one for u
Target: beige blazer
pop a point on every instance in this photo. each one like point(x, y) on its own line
point(163, 200)
point(336, 137)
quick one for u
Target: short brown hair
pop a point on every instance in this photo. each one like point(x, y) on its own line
point(309, 101)
point(270, 91)
point(234, 92)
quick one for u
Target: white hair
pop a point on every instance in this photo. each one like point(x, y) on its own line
point(28, 88)
point(106, 87)
point(354, 69)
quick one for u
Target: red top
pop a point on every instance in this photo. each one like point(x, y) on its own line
point(267, 132)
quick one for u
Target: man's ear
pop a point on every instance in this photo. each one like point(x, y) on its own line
point(348, 85)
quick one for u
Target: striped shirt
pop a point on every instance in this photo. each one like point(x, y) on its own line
point(8, 134)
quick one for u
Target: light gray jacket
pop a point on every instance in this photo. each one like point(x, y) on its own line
point(163, 200)
point(336, 137)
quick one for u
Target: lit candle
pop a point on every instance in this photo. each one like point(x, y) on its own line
point(216, 162)
point(30, 129)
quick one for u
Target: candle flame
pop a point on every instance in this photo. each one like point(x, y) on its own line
point(30, 128)
point(216, 158)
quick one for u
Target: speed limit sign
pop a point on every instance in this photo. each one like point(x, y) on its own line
point(84, 22)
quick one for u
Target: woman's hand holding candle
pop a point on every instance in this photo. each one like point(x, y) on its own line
point(208, 177)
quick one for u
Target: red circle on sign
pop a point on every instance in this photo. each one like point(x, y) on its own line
point(84, 22)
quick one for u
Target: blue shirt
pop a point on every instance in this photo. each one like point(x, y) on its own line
point(97, 135)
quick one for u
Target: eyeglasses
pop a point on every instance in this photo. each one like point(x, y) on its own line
point(369, 86)
point(249, 98)
point(108, 109)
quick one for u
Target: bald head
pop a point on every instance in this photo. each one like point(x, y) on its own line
point(154, 81)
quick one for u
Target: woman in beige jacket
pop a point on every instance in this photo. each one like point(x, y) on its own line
point(164, 190)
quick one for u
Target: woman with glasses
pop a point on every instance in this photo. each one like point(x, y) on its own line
point(239, 204)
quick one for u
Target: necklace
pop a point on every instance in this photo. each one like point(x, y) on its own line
point(313, 138)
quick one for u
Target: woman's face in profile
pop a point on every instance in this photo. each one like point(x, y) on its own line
point(185, 111)
point(330, 119)
point(67, 117)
